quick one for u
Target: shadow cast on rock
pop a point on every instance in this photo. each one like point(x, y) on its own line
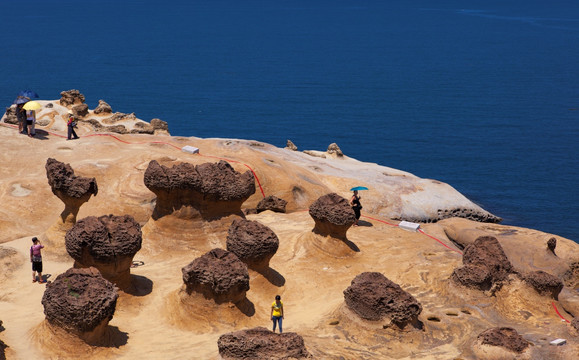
point(246, 307)
point(274, 277)
point(365, 223)
point(113, 337)
point(41, 135)
point(140, 286)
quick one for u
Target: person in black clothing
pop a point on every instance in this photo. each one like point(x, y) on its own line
point(70, 124)
point(356, 205)
point(21, 116)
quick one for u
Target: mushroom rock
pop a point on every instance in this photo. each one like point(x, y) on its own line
point(253, 243)
point(544, 283)
point(374, 297)
point(504, 337)
point(272, 203)
point(551, 245)
point(217, 275)
point(333, 216)
point(103, 108)
point(485, 267)
point(82, 302)
point(260, 343)
point(210, 190)
point(71, 97)
point(80, 110)
point(72, 190)
point(108, 243)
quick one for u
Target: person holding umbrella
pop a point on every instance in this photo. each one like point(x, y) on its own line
point(355, 202)
point(31, 107)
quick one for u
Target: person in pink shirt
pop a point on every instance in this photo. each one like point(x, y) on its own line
point(36, 260)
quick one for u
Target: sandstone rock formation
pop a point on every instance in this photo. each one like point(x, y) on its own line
point(108, 243)
point(103, 108)
point(272, 203)
point(71, 97)
point(253, 243)
point(575, 324)
point(72, 190)
point(159, 126)
point(485, 267)
point(217, 275)
point(334, 149)
point(291, 146)
point(374, 297)
point(210, 190)
point(10, 115)
point(80, 301)
point(333, 216)
point(260, 343)
point(80, 111)
point(544, 283)
point(551, 245)
point(504, 337)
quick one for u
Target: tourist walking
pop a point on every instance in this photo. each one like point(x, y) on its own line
point(21, 116)
point(70, 124)
point(277, 313)
point(36, 260)
point(356, 205)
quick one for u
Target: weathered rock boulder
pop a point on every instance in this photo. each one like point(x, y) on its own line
point(485, 267)
point(544, 283)
point(217, 275)
point(260, 343)
point(118, 116)
point(374, 297)
point(291, 146)
point(80, 111)
point(272, 203)
point(141, 127)
point(80, 301)
point(334, 149)
point(159, 125)
point(333, 216)
point(551, 245)
point(72, 190)
point(575, 323)
point(71, 97)
point(504, 337)
point(103, 108)
point(210, 190)
point(108, 243)
point(253, 243)
point(10, 117)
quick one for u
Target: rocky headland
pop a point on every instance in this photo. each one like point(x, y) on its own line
point(227, 228)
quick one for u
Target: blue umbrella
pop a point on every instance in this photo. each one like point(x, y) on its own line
point(29, 94)
point(21, 100)
point(359, 188)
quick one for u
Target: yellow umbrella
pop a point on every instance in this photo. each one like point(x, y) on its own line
point(32, 105)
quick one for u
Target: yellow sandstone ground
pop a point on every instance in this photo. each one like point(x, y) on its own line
point(309, 272)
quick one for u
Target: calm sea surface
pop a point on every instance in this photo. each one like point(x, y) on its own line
point(483, 95)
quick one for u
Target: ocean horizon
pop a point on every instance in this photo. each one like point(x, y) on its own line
point(483, 96)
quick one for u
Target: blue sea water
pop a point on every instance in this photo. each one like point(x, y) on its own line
point(483, 95)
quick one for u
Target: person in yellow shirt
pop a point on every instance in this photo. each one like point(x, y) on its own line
point(277, 313)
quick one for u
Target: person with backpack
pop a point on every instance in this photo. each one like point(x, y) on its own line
point(70, 124)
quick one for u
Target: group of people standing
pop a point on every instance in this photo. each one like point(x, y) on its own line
point(26, 120)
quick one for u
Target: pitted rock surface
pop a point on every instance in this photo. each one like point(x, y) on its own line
point(485, 264)
point(79, 300)
point(108, 243)
point(332, 215)
point(217, 275)
point(11, 117)
point(159, 124)
point(272, 203)
point(103, 108)
point(575, 323)
point(504, 337)
point(544, 283)
point(260, 343)
point(80, 110)
point(374, 297)
point(71, 97)
point(253, 243)
point(65, 184)
point(214, 189)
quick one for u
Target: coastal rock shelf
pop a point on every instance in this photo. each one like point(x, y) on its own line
point(374, 291)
